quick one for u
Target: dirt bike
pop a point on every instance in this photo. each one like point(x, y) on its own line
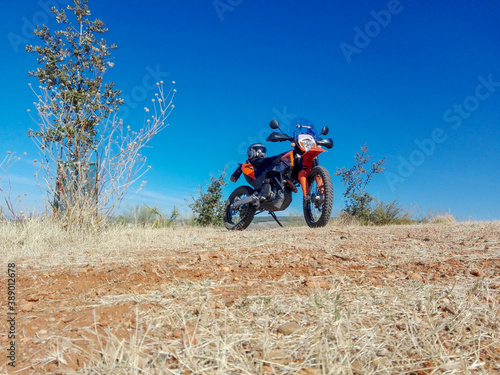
point(273, 179)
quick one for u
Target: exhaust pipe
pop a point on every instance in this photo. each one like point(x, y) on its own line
point(246, 200)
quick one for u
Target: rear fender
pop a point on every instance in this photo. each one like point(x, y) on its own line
point(236, 174)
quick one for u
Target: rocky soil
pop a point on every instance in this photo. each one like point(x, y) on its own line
point(396, 299)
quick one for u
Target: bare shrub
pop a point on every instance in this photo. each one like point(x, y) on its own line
point(6, 187)
point(90, 158)
point(79, 196)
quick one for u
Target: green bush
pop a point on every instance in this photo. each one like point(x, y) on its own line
point(361, 207)
point(357, 179)
point(209, 207)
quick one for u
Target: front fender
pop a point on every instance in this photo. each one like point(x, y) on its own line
point(308, 157)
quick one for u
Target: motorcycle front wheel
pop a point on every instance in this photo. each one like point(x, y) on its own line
point(240, 217)
point(318, 208)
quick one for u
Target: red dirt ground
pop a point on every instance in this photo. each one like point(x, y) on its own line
point(64, 301)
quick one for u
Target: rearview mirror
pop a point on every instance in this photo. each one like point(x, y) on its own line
point(274, 124)
point(325, 130)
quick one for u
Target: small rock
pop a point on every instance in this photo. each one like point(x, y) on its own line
point(250, 283)
point(226, 269)
point(476, 273)
point(68, 319)
point(258, 348)
point(382, 352)
point(178, 333)
point(203, 257)
point(27, 307)
point(448, 309)
point(382, 362)
point(317, 283)
point(289, 328)
point(190, 340)
point(415, 276)
point(276, 354)
point(309, 371)
point(357, 366)
point(229, 301)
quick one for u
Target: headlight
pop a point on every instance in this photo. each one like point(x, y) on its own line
point(306, 142)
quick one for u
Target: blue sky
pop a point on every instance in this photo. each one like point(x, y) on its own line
point(418, 81)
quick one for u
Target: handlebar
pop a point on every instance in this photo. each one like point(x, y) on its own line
point(277, 137)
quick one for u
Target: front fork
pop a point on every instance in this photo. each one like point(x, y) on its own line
point(303, 178)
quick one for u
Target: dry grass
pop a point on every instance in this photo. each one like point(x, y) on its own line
point(344, 219)
point(405, 299)
point(413, 328)
point(42, 240)
point(442, 219)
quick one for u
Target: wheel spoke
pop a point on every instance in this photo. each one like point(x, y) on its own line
point(239, 218)
point(317, 209)
point(236, 213)
point(317, 198)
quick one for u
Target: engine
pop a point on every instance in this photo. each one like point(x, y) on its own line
point(274, 197)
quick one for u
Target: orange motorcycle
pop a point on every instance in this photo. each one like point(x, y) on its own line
point(274, 179)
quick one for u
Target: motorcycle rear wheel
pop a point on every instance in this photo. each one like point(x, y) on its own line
point(318, 208)
point(241, 217)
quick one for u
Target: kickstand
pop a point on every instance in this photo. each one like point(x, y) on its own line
point(275, 218)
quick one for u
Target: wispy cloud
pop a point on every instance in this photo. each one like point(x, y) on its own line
point(22, 180)
point(159, 197)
